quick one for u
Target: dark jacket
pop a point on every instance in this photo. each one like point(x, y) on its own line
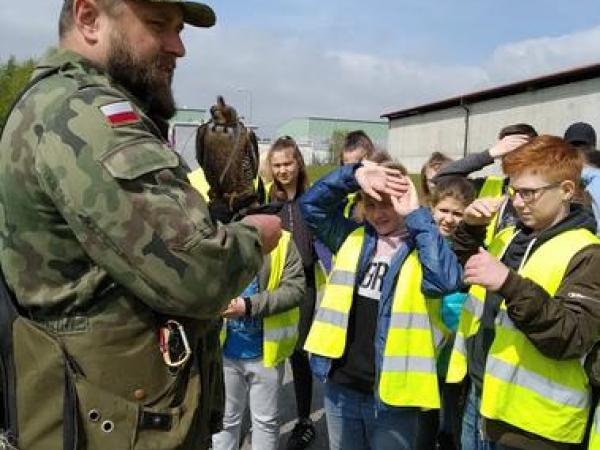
point(565, 326)
point(473, 163)
point(466, 166)
point(441, 272)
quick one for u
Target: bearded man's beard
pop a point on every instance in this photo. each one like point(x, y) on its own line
point(142, 78)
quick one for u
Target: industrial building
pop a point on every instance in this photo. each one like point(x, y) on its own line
point(182, 132)
point(470, 123)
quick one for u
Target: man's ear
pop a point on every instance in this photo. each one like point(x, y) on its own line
point(568, 190)
point(86, 14)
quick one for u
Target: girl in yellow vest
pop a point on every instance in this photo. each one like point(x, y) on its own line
point(372, 341)
point(290, 180)
point(259, 334)
point(533, 311)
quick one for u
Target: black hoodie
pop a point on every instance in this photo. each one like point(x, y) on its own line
point(561, 327)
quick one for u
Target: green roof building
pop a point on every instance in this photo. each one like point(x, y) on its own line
point(321, 128)
point(313, 134)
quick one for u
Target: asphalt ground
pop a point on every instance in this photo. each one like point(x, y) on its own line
point(287, 402)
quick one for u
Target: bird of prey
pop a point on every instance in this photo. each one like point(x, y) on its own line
point(227, 151)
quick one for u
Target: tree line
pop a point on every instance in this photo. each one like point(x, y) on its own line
point(14, 75)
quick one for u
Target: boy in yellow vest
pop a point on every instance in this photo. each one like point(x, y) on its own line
point(535, 299)
point(510, 137)
point(259, 334)
point(372, 339)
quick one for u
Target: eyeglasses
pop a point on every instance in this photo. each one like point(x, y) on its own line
point(529, 195)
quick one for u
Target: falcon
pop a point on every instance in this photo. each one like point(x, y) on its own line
point(227, 152)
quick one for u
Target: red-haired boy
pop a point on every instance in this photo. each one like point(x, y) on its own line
point(534, 306)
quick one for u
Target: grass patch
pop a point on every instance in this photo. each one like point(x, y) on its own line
point(316, 172)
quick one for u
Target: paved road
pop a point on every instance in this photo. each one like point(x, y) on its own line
point(288, 406)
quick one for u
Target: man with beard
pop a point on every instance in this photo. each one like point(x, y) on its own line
point(118, 275)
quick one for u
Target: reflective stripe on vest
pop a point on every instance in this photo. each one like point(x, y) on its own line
point(519, 379)
point(408, 375)
point(492, 188)
point(280, 331)
point(594, 443)
point(441, 333)
point(471, 313)
point(327, 335)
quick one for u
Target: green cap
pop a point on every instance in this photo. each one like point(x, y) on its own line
point(194, 13)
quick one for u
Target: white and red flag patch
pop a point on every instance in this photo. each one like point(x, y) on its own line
point(120, 113)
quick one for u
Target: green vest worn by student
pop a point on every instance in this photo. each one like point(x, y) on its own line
point(280, 331)
point(408, 375)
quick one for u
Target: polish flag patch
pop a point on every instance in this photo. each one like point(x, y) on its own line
point(120, 113)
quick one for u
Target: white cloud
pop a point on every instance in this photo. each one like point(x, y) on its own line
point(293, 76)
point(289, 78)
point(534, 57)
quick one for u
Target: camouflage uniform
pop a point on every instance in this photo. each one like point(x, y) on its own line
point(102, 238)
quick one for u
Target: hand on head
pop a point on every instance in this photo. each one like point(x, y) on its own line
point(507, 144)
point(407, 202)
point(482, 210)
point(375, 180)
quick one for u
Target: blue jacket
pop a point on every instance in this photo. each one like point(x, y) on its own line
point(442, 273)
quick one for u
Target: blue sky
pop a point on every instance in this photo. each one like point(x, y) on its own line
point(460, 31)
point(353, 59)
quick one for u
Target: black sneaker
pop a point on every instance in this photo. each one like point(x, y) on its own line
point(302, 435)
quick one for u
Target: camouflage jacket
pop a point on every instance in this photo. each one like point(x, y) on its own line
point(102, 236)
point(85, 203)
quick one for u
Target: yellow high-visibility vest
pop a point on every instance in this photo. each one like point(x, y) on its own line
point(492, 188)
point(471, 312)
point(280, 331)
point(521, 386)
point(408, 375)
point(350, 203)
point(594, 443)
point(198, 182)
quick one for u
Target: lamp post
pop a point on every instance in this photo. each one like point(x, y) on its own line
point(249, 92)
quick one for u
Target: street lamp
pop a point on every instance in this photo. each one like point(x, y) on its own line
point(249, 92)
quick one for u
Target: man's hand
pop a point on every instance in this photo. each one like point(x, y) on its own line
point(485, 270)
point(407, 202)
point(375, 180)
point(236, 309)
point(507, 144)
point(482, 210)
point(269, 228)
